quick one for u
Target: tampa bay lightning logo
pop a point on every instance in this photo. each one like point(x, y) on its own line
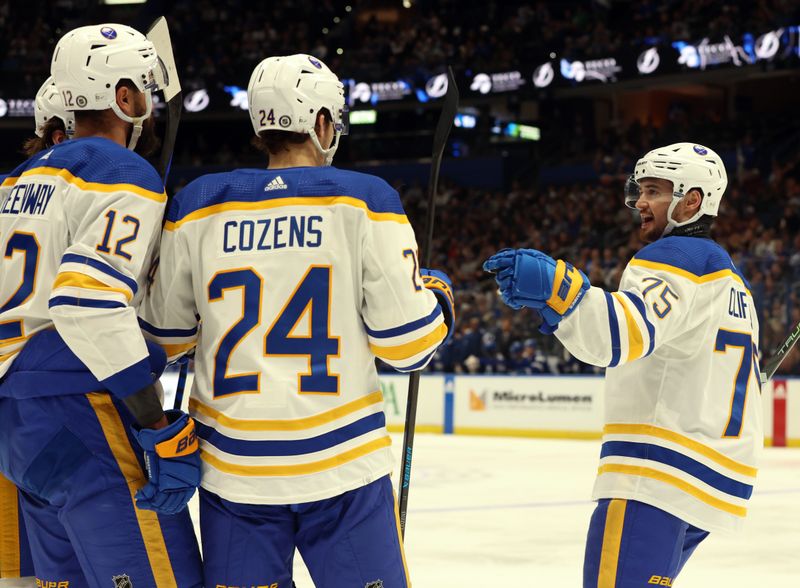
point(108, 33)
point(700, 150)
point(315, 62)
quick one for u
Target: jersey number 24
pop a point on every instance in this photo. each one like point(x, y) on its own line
point(311, 297)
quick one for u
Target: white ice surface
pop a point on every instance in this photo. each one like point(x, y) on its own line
point(492, 511)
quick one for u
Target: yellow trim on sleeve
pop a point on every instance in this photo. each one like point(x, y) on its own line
point(149, 525)
point(7, 355)
point(173, 349)
point(635, 339)
point(612, 539)
point(406, 350)
point(67, 176)
point(664, 267)
point(683, 485)
point(9, 530)
point(300, 469)
point(289, 201)
point(661, 433)
point(9, 181)
point(301, 424)
point(79, 280)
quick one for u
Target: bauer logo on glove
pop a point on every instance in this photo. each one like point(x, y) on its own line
point(173, 464)
point(527, 277)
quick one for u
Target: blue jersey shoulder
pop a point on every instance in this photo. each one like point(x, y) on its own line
point(374, 191)
point(209, 190)
point(98, 160)
point(695, 255)
point(254, 185)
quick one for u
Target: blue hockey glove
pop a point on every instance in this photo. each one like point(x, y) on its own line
point(527, 277)
point(173, 464)
point(439, 283)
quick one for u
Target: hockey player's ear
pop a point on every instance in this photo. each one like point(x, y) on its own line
point(125, 100)
point(693, 200)
point(57, 137)
point(129, 99)
point(324, 129)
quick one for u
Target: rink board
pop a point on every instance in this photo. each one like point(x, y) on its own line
point(569, 407)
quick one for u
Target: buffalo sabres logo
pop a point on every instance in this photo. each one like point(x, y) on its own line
point(122, 581)
point(108, 33)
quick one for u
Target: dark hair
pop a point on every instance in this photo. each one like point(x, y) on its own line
point(273, 142)
point(35, 144)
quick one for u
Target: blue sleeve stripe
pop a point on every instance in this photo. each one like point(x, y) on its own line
point(103, 267)
point(131, 379)
point(415, 366)
point(651, 330)
point(680, 461)
point(166, 332)
point(407, 328)
point(285, 448)
point(84, 302)
point(613, 323)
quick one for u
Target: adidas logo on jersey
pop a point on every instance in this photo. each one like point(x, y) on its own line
point(276, 184)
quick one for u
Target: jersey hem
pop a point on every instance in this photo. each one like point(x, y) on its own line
point(311, 497)
point(684, 516)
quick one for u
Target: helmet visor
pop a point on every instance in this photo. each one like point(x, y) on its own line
point(157, 77)
point(632, 192)
point(342, 122)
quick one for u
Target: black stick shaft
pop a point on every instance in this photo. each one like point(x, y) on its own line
point(776, 361)
point(449, 109)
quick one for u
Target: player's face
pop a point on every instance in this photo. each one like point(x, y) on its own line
point(653, 205)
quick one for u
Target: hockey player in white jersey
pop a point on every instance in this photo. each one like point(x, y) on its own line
point(290, 281)
point(78, 226)
point(53, 125)
point(679, 339)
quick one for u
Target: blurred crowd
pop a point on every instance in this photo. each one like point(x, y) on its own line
point(589, 226)
point(220, 42)
point(586, 224)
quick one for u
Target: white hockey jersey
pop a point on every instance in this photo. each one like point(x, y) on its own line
point(683, 427)
point(78, 228)
point(290, 282)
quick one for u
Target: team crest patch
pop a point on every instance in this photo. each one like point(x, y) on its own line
point(122, 581)
point(700, 150)
point(375, 584)
point(108, 33)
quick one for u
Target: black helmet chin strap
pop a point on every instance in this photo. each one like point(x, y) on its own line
point(700, 228)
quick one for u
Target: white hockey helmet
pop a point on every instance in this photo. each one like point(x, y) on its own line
point(287, 93)
point(48, 105)
point(687, 166)
point(89, 61)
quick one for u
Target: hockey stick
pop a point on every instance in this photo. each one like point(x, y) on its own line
point(777, 359)
point(449, 108)
point(169, 82)
point(158, 34)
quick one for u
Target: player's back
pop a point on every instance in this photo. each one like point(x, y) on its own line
point(61, 241)
point(300, 277)
point(684, 422)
